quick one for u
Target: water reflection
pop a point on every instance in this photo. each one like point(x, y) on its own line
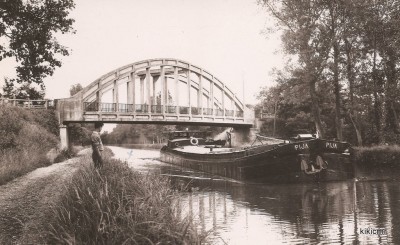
point(238, 213)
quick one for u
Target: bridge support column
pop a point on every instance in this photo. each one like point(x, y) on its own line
point(142, 90)
point(223, 100)
point(64, 137)
point(164, 90)
point(176, 88)
point(162, 87)
point(200, 93)
point(211, 98)
point(189, 85)
point(155, 80)
point(131, 90)
point(116, 96)
point(148, 86)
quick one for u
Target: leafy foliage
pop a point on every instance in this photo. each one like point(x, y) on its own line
point(29, 26)
point(75, 89)
point(80, 133)
point(25, 91)
point(24, 142)
point(344, 67)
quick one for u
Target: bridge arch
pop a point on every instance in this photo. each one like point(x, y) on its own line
point(161, 90)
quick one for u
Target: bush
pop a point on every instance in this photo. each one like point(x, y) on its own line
point(65, 155)
point(47, 119)
point(10, 125)
point(23, 143)
point(115, 205)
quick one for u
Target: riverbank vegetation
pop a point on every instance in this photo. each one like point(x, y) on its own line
point(26, 137)
point(116, 205)
point(341, 77)
point(378, 156)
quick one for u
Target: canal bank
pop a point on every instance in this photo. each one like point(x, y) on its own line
point(70, 202)
point(116, 205)
point(25, 202)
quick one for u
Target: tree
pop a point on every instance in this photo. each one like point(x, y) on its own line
point(24, 91)
point(80, 133)
point(345, 53)
point(304, 36)
point(75, 89)
point(8, 88)
point(28, 28)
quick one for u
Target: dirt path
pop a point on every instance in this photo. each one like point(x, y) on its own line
point(25, 201)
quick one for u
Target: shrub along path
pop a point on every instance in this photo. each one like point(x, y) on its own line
point(25, 201)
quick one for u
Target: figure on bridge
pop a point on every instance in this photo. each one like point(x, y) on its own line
point(97, 145)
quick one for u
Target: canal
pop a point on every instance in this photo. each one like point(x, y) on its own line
point(346, 212)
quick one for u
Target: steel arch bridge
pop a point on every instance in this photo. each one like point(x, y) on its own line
point(157, 91)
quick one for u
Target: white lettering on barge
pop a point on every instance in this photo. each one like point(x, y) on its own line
point(331, 145)
point(301, 146)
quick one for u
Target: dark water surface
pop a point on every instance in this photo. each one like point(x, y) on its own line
point(346, 212)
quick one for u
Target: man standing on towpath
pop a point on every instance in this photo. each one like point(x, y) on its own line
point(97, 145)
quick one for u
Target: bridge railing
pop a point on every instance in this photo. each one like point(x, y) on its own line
point(207, 111)
point(108, 107)
point(195, 111)
point(91, 106)
point(156, 108)
point(31, 104)
point(141, 108)
point(184, 109)
point(171, 109)
point(219, 112)
point(229, 113)
point(144, 108)
point(125, 108)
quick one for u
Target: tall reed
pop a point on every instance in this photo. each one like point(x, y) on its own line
point(116, 205)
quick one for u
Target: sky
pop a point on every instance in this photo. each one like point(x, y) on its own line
point(224, 37)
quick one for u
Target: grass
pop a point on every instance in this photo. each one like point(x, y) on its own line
point(26, 137)
point(116, 205)
point(26, 150)
point(15, 163)
point(65, 155)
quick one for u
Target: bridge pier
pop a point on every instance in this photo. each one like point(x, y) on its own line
point(64, 137)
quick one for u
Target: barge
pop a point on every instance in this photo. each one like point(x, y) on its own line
point(302, 159)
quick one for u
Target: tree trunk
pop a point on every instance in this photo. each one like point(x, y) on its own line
point(350, 78)
point(378, 112)
point(315, 107)
point(358, 132)
point(333, 9)
point(391, 88)
point(338, 120)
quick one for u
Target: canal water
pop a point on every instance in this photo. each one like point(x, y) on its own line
point(347, 212)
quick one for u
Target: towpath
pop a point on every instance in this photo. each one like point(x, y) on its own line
point(25, 201)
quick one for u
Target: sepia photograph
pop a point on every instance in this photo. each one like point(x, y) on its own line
point(199, 122)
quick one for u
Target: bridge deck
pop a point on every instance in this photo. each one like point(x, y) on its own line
point(159, 114)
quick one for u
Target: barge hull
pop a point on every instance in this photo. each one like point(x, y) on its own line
point(267, 167)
